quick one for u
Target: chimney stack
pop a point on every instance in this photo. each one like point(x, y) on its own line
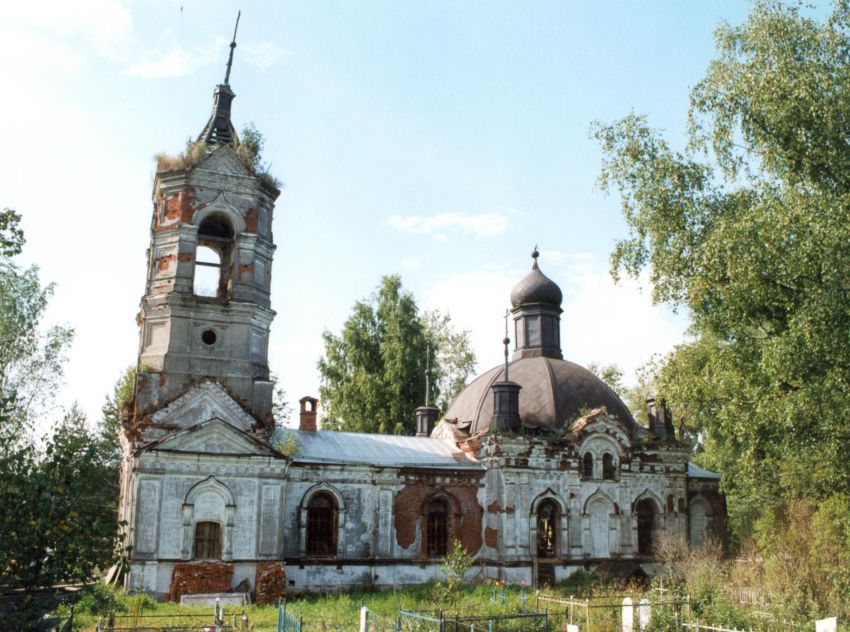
point(426, 419)
point(505, 406)
point(660, 420)
point(308, 414)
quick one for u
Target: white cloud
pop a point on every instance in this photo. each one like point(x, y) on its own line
point(175, 61)
point(477, 302)
point(105, 28)
point(616, 323)
point(477, 224)
point(102, 19)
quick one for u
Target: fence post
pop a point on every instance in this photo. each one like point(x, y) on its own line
point(546, 620)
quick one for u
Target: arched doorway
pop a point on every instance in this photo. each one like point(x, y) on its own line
point(647, 523)
point(548, 519)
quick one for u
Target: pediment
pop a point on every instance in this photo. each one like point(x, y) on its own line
point(214, 436)
point(224, 160)
point(599, 423)
point(202, 402)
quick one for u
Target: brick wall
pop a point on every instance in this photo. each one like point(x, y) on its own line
point(270, 583)
point(192, 578)
point(461, 492)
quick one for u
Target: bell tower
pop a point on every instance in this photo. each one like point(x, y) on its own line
point(205, 314)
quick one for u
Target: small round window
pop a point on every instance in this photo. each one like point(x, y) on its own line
point(209, 337)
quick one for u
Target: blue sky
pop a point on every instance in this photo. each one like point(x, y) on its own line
point(437, 140)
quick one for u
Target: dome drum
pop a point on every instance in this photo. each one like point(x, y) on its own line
point(537, 332)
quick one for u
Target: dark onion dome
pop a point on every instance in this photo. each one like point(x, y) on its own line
point(554, 394)
point(536, 288)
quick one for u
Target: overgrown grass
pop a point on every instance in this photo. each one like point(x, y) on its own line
point(318, 611)
point(695, 574)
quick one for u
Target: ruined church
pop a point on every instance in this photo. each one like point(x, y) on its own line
point(537, 467)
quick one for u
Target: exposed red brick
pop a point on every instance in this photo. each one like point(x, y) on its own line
point(509, 510)
point(177, 209)
point(185, 257)
point(270, 583)
point(251, 221)
point(491, 538)
point(244, 268)
point(470, 447)
point(163, 263)
point(467, 514)
point(493, 507)
point(192, 578)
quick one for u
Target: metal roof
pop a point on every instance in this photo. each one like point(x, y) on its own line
point(331, 447)
point(554, 393)
point(694, 471)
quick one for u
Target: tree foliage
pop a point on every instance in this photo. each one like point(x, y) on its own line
point(634, 396)
point(59, 493)
point(120, 399)
point(455, 360)
point(31, 360)
point(747, 230)
point(373, 375)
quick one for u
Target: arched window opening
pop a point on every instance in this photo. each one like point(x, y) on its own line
point(321, 525)
point(215, 227)
point(207, 272)
point(212, 257)
point(609, 468)
point(587, 465)
point(437, 528)
point(646, 526)
point(547, 530)
point(207, 541)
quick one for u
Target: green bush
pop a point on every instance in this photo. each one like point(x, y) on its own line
point(99, 600)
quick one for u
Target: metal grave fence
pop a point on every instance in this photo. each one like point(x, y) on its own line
point(410, 621)
point(286, 621)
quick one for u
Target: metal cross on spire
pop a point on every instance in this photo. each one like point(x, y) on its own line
point(506, 342)
point(232, 46)
point(427, 375)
